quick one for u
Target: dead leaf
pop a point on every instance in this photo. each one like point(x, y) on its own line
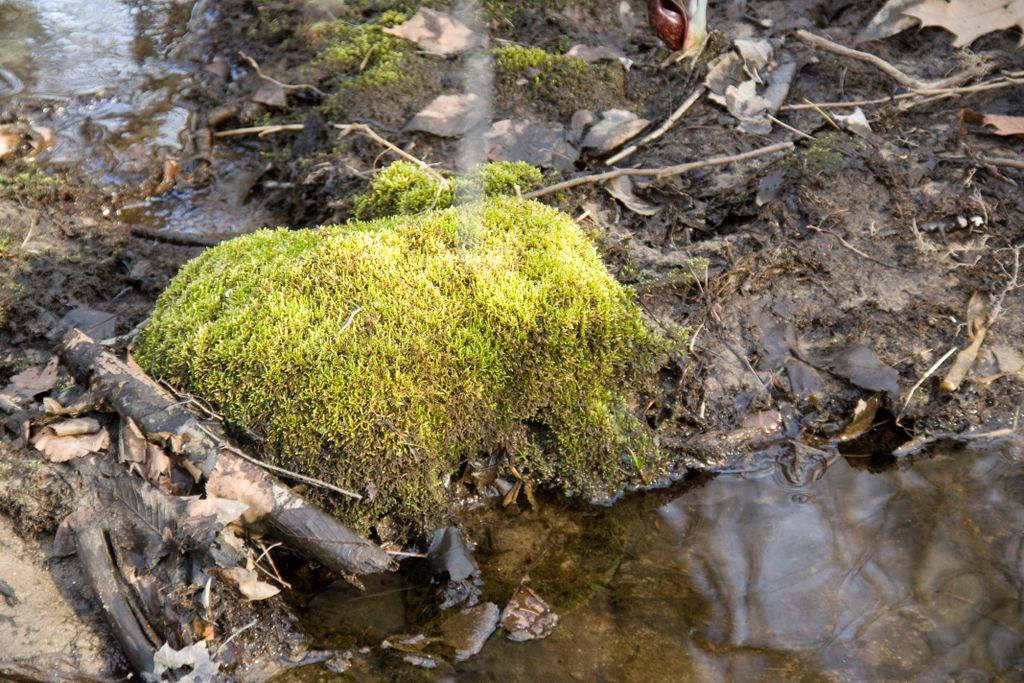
point(527, 616)
point(977, 328)
point(1001, 124)
point(535, 143)
point(33, 381)
point(446, 116)
point(888, 21)
point(856, 122)
point(616, 127)
point(195, 657)
point(592, 54)
point(76, 427)
point(861, 367)
point(63, 448)
point(438, 33)
point(271, 94)
point(131, 443)
point(11, 135)
point(249, 584)
point(863, 419)
point(622, 189)
point(968, 20)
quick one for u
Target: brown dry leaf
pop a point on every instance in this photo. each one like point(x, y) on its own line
point(1001, 124)
point(535, 143)
point(131, 442)
point(592, 54)
point(11, 135)
point(527, 616)
point(78, 426)
point(446, 115)
point(621, 188)
point(249, 585)
point(977, 328)
point(616, 127)
point(63, 448)
point(863, 419)
point(438, 33)
point(33, 381)
point(968, 20)
point(271, 94)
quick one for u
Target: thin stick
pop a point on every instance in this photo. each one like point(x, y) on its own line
point(661, 130)
point(661, 172)
point(931, 371)
point(288, 473)
point(790, 128)
point(997, 84)
point(347, 128)
point(994, 161)
point(258, 130)
point(887, 68)
point(284, 86)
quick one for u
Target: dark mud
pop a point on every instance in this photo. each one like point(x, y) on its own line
point(846, 244)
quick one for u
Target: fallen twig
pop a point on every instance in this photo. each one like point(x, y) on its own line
point(661, 172)
point(287, 87)
point(931, 371)
point(994, 161)
point(347, 128)
point(997, 84)
point(259, 130)
point(661, 130)
point(887, 68)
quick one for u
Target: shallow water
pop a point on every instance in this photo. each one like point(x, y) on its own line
point(114, 80)
point(915, 573)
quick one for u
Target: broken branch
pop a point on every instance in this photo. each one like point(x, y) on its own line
point(887, 68)
point(347, 128)
point(661, 172)
point(661, 130)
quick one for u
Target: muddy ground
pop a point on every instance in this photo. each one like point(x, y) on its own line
point(828, 265)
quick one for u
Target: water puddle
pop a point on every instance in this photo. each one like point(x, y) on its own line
point(113, 82)
point(913, 573)
point(907, 574)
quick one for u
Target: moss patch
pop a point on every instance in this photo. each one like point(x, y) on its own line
point(403, 188)
point(555, 84)
point(381, 355)
point(28, 183)
point(370, 73)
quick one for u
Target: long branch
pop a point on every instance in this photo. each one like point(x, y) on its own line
point(661, 172)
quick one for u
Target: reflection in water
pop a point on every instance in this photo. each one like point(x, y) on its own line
point(905, 575)
point(106, 77)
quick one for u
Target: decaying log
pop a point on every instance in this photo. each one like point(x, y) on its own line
point(297, 522)
point(91, 543)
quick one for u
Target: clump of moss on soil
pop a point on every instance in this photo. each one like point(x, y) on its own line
point(381, 355)
point(30, 183)
point(371, 73)
point(557, 82)
point(403, 188)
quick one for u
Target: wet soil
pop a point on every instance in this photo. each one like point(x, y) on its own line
point(846, 242)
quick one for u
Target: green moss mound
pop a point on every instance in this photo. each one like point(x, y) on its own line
point(403, 188)
point(381, 355)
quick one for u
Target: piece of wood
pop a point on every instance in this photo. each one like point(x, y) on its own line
point(297, 522)
point(93, 553)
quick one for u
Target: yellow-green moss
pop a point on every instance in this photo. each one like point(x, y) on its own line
point(381, 355)
point(403, 188)
point(30, 183)
point(555, 83)
point(369, 72)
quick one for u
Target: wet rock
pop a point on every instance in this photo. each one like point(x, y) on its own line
point(468, 630)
